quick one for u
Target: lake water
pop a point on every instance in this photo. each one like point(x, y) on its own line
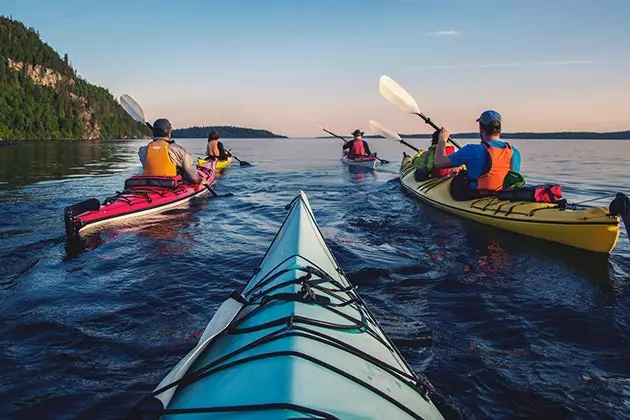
point(503, 326)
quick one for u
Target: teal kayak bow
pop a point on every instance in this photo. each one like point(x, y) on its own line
point(298, 342)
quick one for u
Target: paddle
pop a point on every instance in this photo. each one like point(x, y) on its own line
point(214, 193)
point(398, 96)
point(134, 109)
point(387, 133)
point(242, 162)
point(383, 161)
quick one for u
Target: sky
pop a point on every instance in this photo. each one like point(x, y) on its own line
point(290, 65)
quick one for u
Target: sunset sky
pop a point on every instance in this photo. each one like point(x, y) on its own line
point(287, 65)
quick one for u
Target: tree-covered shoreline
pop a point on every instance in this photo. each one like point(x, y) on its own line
point(41, 97)
point(225, 131)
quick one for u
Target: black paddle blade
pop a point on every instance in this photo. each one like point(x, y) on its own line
point(383, 161)
point(216, 195)
point(243, 163)
point(620, 206)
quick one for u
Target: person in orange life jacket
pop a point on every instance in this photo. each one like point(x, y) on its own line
point(487, 163)
point(357, 146)
point(163, 157)
point(215, 148)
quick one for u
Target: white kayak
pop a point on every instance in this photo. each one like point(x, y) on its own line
point(363, 162)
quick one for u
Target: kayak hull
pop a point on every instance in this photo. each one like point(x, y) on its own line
point(366, 162)
point(592, 229)
point(221, 164)
point(297, 342)
point(134, 202)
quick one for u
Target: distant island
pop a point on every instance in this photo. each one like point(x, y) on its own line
point(41, 96)
point(225, 131)
point(564, 135)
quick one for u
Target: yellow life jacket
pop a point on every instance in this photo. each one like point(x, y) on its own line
point(158, 162)
point(213, 148)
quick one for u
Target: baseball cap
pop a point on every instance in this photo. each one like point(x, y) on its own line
point(488, 117)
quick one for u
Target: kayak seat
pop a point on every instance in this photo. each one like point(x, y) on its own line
point(153, 181)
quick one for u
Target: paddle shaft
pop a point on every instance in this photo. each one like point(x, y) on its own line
point(429, 121)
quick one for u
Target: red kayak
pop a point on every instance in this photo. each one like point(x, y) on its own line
point(142, 195)
point(364, 162)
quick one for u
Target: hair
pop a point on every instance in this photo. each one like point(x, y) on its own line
point(492, 129)
point(214, 135)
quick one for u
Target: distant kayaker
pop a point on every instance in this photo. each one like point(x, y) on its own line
point(215, 148)
point(487, 163)
point(424, 161)
point(163, 157)
point(357, 146)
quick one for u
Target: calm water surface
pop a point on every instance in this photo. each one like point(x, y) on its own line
point(503, 326)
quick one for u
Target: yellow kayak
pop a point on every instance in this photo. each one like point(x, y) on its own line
point(593, 229)
point(221, 164)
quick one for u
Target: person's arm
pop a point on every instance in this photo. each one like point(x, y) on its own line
point(183, 160)
point(516, 160)
point(367, 148)
point(346, 145)
point(208, 150)
point(142, 154)
point(441, 159)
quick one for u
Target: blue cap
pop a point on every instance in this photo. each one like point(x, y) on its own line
point(488, 117)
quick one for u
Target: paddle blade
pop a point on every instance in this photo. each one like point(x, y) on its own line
point(132, 108)
point(379, 128)
point(398, 96)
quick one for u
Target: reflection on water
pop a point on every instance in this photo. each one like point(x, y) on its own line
point(503, 325)
point(35, 161)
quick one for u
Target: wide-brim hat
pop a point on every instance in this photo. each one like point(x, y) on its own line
point(357, 133)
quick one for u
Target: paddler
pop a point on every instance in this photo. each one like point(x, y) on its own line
point(163, 157)
point(357, 146)
point(424, 161)
point(487, 163)
point(215, 149)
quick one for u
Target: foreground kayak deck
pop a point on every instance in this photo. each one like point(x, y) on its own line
point(133, 202)
point(299, 342)
point(592, 229)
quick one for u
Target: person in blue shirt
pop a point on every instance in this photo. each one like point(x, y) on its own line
point(487, 163)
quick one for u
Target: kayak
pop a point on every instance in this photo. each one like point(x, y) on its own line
point(298, 342)
point(221, 164)
point(364, 162)
point(591, 229)
point(141, 196)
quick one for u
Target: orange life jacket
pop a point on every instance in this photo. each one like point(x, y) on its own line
point(500, 164)
point(158, 162)
point(213, 148)
point(357, 148)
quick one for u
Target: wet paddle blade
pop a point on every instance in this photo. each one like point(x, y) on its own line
point(132, 108)
point(398, 96)
point(378, 128)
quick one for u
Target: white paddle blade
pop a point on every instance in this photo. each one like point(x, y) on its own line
point(132, 108)
point(378, 128)
point(395, 94)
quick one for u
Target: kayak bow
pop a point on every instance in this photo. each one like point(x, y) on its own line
point(298, 342)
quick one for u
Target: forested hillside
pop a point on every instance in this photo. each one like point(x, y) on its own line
point(41, 96)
